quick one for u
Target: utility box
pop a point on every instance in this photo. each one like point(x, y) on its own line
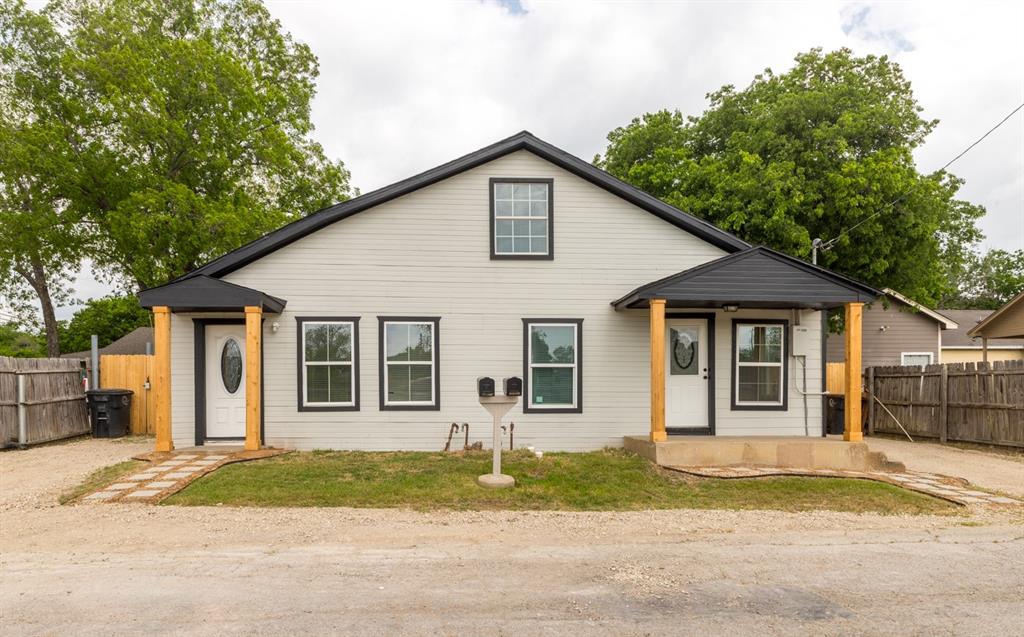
point(485, 386)
point(513, 386)
point(802, 341)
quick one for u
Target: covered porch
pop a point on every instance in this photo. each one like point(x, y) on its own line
point(745, 285)
point(212, 302)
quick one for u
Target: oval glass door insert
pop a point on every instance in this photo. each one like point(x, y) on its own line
point(231, 365)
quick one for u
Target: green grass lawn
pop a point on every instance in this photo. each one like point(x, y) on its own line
point(100, 479)
point(609, 480)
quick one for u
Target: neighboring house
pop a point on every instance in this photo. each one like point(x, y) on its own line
point(1001, 333)
point(896, 331)
point(959, 347)
point(137, 341)
point(366, 324)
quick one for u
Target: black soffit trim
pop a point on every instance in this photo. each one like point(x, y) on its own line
point(206, 293)
point(849, 289)
point(520, 141)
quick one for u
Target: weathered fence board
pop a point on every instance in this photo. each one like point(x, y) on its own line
point(968, 402)
point(53, 400)
point(131, 372)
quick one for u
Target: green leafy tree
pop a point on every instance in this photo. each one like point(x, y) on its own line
point(987, 282)
point(16, 342)
point(808, 154)
point(150, 136)
point(108, 318)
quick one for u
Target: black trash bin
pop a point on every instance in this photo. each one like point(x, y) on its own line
point(109, 411)
point(834, 412)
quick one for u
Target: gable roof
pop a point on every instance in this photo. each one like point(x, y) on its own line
point(966, 321)
point(520, 141)
point(755, 277)
point(1006, 322)
point(944, 322)
point(134, 342)
point(203, 293)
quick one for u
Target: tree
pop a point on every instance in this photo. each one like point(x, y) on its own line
point(169, 133)
point(109, 318)
point(15, 342)
point(987, 282)
point(808, 154)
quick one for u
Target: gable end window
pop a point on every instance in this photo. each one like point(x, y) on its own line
point(553, 365)
point(522, 218)
point(409, 363)
point(760, 364)
point(328, 363)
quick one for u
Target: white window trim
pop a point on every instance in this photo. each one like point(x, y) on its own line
point(781, 365)
point(530, 217)
point(351, 363)
point(930, 355)
point(574, 365)
point(433, 369)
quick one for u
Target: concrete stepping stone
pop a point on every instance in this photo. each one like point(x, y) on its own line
point(977, 494)
point(139, 477)
point(143, 493)
point(178, 475)
point(186, 456)
point(161, 484)
point(121, 486)
point(102, 495)
point(171, 463)
point(998, 499)
point(216, 457)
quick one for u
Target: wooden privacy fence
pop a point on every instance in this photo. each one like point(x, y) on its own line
point(41, 399)
point(835, 378)
point(131, 372)
point(968, 402)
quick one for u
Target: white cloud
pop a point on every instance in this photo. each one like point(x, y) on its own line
point(405, 86)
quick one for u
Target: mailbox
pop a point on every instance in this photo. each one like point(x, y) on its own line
point(513, 386)
point(485, 386)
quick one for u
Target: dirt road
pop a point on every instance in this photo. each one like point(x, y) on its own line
point(137, 569)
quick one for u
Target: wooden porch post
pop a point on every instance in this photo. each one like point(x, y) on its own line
point(162, 377)
point(253, 348)
point(852, 425)
point(658, 370)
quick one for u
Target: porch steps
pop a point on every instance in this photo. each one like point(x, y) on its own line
point(768, 451)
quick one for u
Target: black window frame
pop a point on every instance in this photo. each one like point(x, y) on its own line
point(528, 408)
point(382, 363)
point(550, 218)
point(734, 405)
point(300, 357)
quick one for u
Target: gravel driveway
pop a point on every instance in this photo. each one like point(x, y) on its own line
point(138, 569)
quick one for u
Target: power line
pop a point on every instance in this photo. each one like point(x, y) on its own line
point(825, 245)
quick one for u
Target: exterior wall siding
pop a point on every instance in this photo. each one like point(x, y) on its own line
point(965, 355)
point(428, 254)
point(906, 331)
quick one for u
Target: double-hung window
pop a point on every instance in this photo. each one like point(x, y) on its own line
point(521, 219)
point(553, 360)
point(759, 364)
point(328, 352)
point(409, 375)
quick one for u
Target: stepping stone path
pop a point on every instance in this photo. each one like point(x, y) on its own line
point(946, 488)
point(160, 480)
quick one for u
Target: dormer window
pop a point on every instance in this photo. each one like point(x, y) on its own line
point(521, 219)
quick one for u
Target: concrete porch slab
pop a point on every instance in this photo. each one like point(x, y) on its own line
point(767, 451)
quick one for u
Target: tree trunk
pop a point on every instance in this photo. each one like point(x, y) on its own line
point(37, 279)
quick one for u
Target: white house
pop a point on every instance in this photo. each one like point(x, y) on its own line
point(366, 324)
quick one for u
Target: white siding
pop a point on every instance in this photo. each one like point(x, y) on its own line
point(427, 254)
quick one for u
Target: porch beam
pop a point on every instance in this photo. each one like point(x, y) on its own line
point(852, 431)
point(658, 433)
point(162, 377)
point(253, 349)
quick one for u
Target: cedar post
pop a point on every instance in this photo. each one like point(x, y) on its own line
point(871, 401)
point(253, 347)
point(943, 404)
point(162, 377)
point(852, 430)
point(658, 370)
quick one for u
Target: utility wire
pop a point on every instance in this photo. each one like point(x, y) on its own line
point(831, 242)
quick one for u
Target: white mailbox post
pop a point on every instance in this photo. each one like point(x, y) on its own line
point(497, 406)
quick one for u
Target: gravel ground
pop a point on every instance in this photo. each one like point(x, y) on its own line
point(988, 470)
point(132, 569)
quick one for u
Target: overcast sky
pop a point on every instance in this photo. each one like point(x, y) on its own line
point(406, 86)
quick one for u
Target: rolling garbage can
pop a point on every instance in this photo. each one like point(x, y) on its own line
point(834, 413)
point(109, 411)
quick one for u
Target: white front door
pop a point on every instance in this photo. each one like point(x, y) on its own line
point(686, 374)
point(225, 381)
